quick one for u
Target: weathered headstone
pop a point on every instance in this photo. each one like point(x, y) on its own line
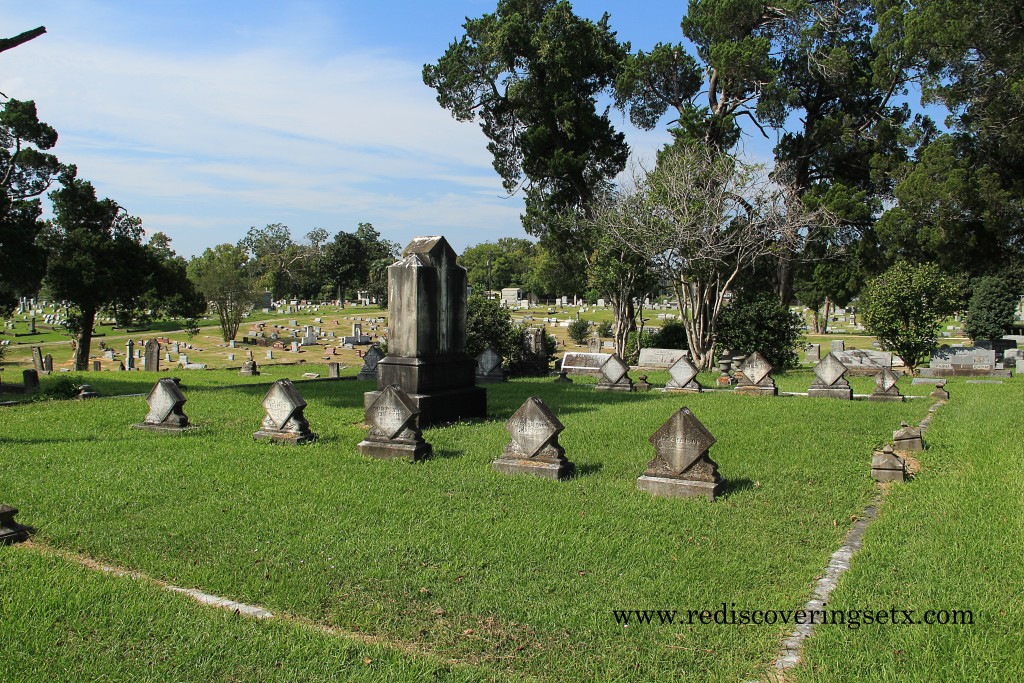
point(812, 353)
point(584, 363)
point(907, 439)
point(837, 345)
point(593, 345)
point(130, 355)
point(963, 362)
point(614, 375)
point(830, 380)
point(47, 363)
point(37, 358)
point(488, 367)
point(333, 370)
point(755, 376)
point(97, 366)
point(427, 342)
point(32, 325)
point(659, 358)
point(152, 362)
point(11, 531)
point(681, 466)
point(885, 387)
point(249, 368)
point(30, 380)
point(534, 359)
point(683, 375)
point(887, 466)
point(284, 421)
point(165, 408)
point(534, 448)
point(371, 359)
point(394, 430)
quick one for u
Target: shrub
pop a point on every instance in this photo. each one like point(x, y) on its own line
point(672, 335)
point(761, 323)
point(488, 324)
point(605, 329)
point(649, 339)
point(990, 310)
point(578, 331)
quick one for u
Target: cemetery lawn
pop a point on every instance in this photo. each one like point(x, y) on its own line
point(455, 571)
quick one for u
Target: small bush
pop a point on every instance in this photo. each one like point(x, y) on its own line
point(579, 330)
point(990, 310)
point(605, 329)
point(672, 335)
point(488, 324)
point(761, 324)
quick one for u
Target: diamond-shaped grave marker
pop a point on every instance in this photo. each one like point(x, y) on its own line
point(488, 361)
point(284, 421)
point(681, 466)
point(614, 368)
point(755, 368)
point(830, 370)
point(534, 448)
point(683, 374)
point(886, 380)
point(394, 432)
point(165, 402)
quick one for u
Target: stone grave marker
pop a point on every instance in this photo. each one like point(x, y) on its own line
point(830, 380)
point(152, 361)
point(885, 387)
point(659, 358)
point(614, 375)
point(371, 358)
point(812, 353)
point(11, 531)
point(37, 358)
point(394, 431)
point(488, 367)
point(940, 392)
point(584, 363)
point(887, 466)
point(683, 375)
point(249, 368)
point(593, 345)
point(333, 370)
point(755, 376)
point(129, 355)
point(47, 363)
point(165, 401)
point(30, 380)
point(97, 366)
point(907, 439)
point(837, 345)
point(534, 448)
point(681, 466)
point(284, 421)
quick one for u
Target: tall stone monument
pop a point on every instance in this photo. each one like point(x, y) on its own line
point(534, 448)
point(427, 343)
point(830, 379)
point(681, 466)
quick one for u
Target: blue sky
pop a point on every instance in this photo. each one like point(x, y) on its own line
point(206, 118)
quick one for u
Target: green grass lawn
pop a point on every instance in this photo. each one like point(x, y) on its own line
point(467, 574)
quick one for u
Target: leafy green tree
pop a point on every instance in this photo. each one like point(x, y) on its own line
point(276, 262)
point(95, 256)
point(531, 72)
point(500, 265)
point(380, 253)
point(344, 263)
point(579, 330)
point(904, 307)
point(488, 324)
point(219, 273)
point(991, 308)
point(761, 323)
point(26, 171)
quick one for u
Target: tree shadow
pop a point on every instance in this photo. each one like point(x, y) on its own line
point(588, 469)
point(733, 486)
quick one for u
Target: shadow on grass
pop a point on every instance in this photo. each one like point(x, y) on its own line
point(736, 486)
point(588, 469)
point(445, 453)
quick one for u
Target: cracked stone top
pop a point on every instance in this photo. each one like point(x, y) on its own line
point(282, 401)
point(533, 426)
point(681, 441)
point(683, 371)
point(392, 412)
point(488, 361)
point(163, 399)
point(755, 368)
point(886, 380)
point(830, 369)
point(614, 369)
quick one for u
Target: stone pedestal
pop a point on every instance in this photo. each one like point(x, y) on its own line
point(907, 439)
point(614, 375)
point(887, 466)
point(284, 422)
point(830, 380)
point(940, 393)
point(755, 377)
point(11, 531)
point(563, 377)
point(681, 466)
point(534, 448)
point(165, 408)
point(885, 387)
point(392, 418)
point(427, 343)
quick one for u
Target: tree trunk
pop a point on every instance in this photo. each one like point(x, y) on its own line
point(84, 340)
point(784, 279)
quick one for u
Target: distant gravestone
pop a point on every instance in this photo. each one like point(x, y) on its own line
point(534, 360)
point(907, 439)
point(659, 358)
point(534, 448)
point(812, 353)
point(488, 367)
point(683, 375)
point(37, 358)
point(97, 366)
point(394, 432)
point(593, 345)
point(830, 380)
point(887, 466)
point(333, 370)
point(681, 466)
point(11, 531)
point(130, 355)
point(614, 375)
point(284, 421)
point(249, 368)
point(963, 362)
point(885, 387)
point(371, 358)
point(837, 345)
point(30, 380)
point(152, 358)
point(165, 408)
point(47, 363)
point(755, 376)
point(584, 363)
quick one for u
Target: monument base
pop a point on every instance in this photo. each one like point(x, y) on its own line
point(886, 397)
point(843, 393)
point(366, 376)
point(625, 384)
point(11, 531)
point(286, 438)
point(495, 378)
point(169, 429)
point(391, 450)
point(449, 405)
point(559, 471)
point(688, 388)
point(755, 390)
point(883, 475)
point(679, 488)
